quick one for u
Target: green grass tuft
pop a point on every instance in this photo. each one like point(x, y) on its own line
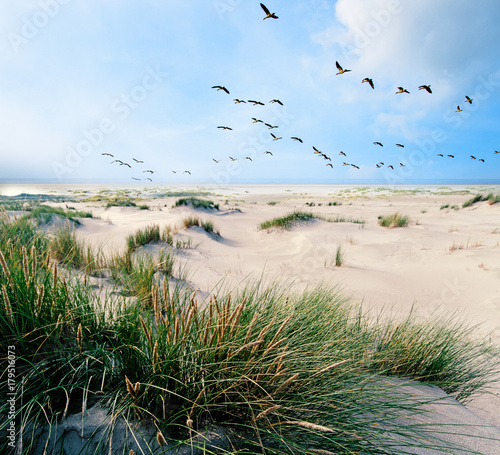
point(394, 220)
point(288, 221)
point(196, 203)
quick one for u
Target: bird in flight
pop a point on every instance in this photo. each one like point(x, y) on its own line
point(149, 171)
point(425, 87)
point(400, 145)
point(117, 161)
point(133, 178)
point(345, 164)
point(215, 160)
point(341, 70)
point(225, 128)
point(378, 166)
point(276, 101)
point(107, 154)
point(138, 161)
point(401, 165)
point(451, 156)
point(480, 159)
point(255, 103)
point(232, 159)
point(468, 100)
point(268, 153)
point(402, 90)
point(175, 172)
point(248, 158)
point(256, 120)
point(354, 166)
point(187, 172)
point(147, 178)
point(297, 139)
point(125, 164)
point(342, 153)
point(473, 157)
point(496, 152)
point(274, 137)
point(378, 143)
point(391, 166)
point(270, 126)
point(315, 150)
point(325, 157)
point(220, 87)
point(237, 101)
point(370, 81)
point(269, 15)
point(458, 109)
point(330, 164)
point(440, 154)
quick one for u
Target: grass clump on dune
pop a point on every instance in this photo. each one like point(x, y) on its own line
point(44, 214)
point(288, 221)
point(143, 237)
point(291, 372)
point(206, 225)
point(196, 203)
point(394, 220)
point(491, 198)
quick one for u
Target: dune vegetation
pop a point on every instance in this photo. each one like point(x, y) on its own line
point(291, 372)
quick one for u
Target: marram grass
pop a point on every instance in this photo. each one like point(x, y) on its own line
point(292, 372)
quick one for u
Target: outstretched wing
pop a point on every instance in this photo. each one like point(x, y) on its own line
point(338, 66)
point(265, 9)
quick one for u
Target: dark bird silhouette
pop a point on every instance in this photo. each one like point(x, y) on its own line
point(220, 87)
point(215, 160)
point(473, 157)
point(496, 153)
point(225, 128)
point(274, 137)
point(117, 161)
point(402, 90)
point(133, 178)
point(255, 103)
point(232, 159)
point(268, 153)
point(125, 164)
point(326, 157)
point(468, 100)
point(270, 126)
point(381, 163)
point(315, 150)
point(297, 139)
point(401, 165)
point(391, 166)
point(425, 87)
point(138, 161)
point(256, 120)
point(345, 164)
point(342, 153)
point(480, 159)
point(237, 101)
point(440, 154)
point(354, 166)
point(248, 158)
point(187, 172)
point(378, 166)
point(269, 15)
point(378, 143)
point(451, 156)
point(107, 154)
point(276, 101)
point(400, 145)
point(147, 178)
point(149, 171)
point(175, 172)
point(330, 164)
point(341, 70)
point(458, 109)
point(370, 81)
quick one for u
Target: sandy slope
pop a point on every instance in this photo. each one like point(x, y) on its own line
point(445, 260)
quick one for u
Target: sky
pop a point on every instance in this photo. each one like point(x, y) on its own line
point(134, 79)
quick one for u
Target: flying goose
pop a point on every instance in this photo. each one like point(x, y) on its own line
point(425, 87)
point(378, 143)
point(215, 160)
point(481, 159)
point(315, 149)
point(341, 70)
point(221, 87)
point(330, 164)
point(138, 161)
point(149, 171)
point(237, 101)
point(402, 90)
point(458, 109)
point(468, 100)
point(255, 103)
point(108, 154)
point(274, 137)
point(391, 166)
point(370, 81)
point(269, 15)
point(267, 152)
point(225, 128)
point(297, 139)
point(248, 158)
point(276, 101)
point(187, 172)
point(400, 145)
point(256, 120)
point(270, 126)
point(342, 153)
point(451, 156)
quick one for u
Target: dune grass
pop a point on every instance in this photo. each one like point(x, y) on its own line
point(206, 225)
point(288, 221)
point(44, 214)
point(491, 198)
point(394, 220)
point(292, 372)
point(143, 237)
point(196, 203)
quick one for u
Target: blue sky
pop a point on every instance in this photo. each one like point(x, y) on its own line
point(133, 79)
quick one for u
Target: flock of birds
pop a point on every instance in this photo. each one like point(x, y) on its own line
point(341, 71)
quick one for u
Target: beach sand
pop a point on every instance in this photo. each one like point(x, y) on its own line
point(446, 261)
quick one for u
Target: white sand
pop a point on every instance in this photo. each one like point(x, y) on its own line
point(445, 260)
